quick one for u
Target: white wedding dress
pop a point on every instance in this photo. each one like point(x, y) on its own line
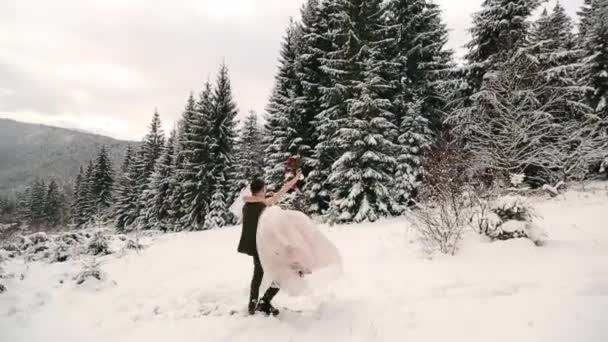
point(294, 253)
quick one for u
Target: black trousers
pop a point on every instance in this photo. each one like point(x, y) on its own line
point(256, 281)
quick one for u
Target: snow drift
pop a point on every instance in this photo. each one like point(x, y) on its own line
point(294, 253)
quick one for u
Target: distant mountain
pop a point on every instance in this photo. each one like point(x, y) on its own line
point(28, 151)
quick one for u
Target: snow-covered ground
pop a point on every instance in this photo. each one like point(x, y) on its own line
point(185, 287)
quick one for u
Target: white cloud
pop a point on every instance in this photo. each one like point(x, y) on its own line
point(106, 64)
point(227, 9)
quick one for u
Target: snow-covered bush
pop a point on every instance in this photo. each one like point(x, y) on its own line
point(99, 245)
point(507, 217)
point(517, 179)
point(513, 208)
point(61, 253)
point(10, 247)
point(70, 238)
point(89, 270)
point(23, 242)
point(38, 237)
point(68, 245)
point(132, 244)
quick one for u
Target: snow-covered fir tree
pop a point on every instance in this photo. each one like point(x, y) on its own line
point(419, 64)
point(312, 45)
point(414, 140)
point(101, 188)
point(360, 117)
point(23, 206)
point(500, 26)
point(76, 199)
point(87, 205)
point(586, 16)
point(40, 206)
point(184, 175)
point(37, 196)
point(249, 153)
point(197, 167)
point(419, 56)
point(158, 210)
point(595, 56)
point(53, 205)
point(223, 135)
point(552, 42)
point(151, 149)
point(152, 145)
point(216, 217)
point(318, 187)
point(125, 208)
point(281, 109)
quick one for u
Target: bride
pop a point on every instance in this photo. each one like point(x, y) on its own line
point(287, 248)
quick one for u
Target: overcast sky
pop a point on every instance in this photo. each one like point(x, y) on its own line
point(104, 65)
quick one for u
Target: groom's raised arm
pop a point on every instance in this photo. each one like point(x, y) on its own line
point(276, 198)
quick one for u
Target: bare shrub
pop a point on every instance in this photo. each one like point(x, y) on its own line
point(444, 209)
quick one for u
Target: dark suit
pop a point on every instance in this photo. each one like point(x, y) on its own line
point(248, 245)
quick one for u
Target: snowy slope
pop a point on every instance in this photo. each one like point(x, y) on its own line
point(184, 287)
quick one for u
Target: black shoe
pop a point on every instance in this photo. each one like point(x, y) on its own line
point(253, 304)
point(267, 308)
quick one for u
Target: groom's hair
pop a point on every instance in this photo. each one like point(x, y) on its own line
point(257, 185)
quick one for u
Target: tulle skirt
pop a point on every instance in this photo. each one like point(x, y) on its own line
point(295, 255)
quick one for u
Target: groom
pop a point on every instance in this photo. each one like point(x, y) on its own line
point(252, 210)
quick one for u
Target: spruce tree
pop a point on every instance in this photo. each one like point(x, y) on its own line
point(419, 58)
point(184, 178)
point(37, 203)
point(552, 43)
point(318, 187)
point(197, 169)
point(249, 153)
point(103, 183)
point(419, 64)
point(217, 213)
point(223, 136)
point(595, 57)
point(360, 116)
point(158, 211)
point(76, 199)
point(315, 44)
point(23, 206)
point(151, 149)
point(152, 145)
point(53, 205)
point(586, 15)
point(500, 27)
point(280, 109)
point(126, 190)
point(414, 140)
point(88, 204)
